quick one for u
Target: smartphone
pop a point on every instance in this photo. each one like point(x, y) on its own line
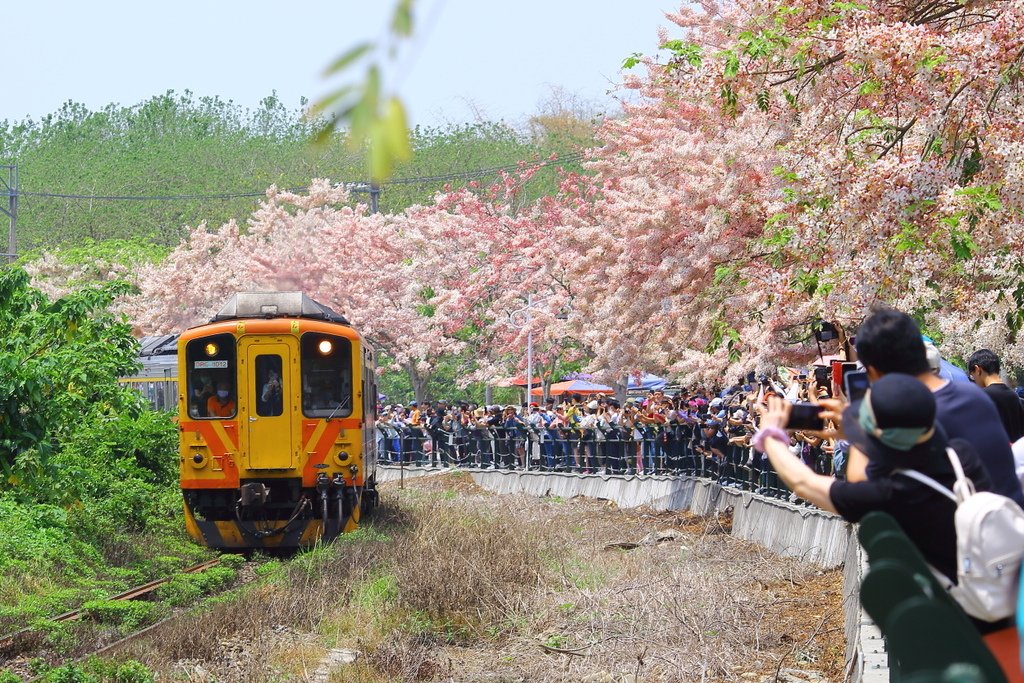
point(855, 385)
point(839, 370)
point(822, 378)
point(806, 416)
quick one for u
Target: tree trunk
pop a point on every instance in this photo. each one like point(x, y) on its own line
point(418, 382)
point(621, 389)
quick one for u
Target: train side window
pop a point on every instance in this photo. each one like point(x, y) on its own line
point(326, 375)
point(210, 363)
point(269, 386)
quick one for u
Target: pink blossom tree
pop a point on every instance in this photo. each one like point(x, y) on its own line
point(799, 161)
point(339, 254)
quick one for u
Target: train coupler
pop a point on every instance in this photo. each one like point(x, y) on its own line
point(253, 493)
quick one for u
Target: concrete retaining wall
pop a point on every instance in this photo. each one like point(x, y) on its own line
point(790, 530)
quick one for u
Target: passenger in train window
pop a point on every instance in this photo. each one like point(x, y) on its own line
point(202, 392)
point(223, 404)
point(271, 398)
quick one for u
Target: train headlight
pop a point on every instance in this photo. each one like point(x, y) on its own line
point(211, 349)
point(325, 347)
point(341, 458)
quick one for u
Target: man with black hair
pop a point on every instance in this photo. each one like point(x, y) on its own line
point(983, 368)
point(890, 341)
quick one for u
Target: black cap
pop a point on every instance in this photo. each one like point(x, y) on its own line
point(895, 419)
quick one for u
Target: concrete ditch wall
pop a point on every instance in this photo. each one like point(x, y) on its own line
point(790, 530)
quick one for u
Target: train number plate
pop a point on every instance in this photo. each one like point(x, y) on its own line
point(207, 364)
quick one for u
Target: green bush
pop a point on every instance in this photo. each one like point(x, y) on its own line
point(68, 673)
point(97, 670)
point(126, 615)
point(58, 635)
point(233, 561)
point(186, 589)
point(133, 672)
point(89, 502)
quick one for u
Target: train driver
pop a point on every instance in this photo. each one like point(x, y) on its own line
point(222, 404)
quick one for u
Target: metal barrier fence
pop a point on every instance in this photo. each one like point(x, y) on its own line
point(585, 451)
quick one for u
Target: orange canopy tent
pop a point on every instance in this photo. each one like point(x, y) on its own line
point(519, 381)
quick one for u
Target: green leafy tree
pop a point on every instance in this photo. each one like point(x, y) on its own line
point(59, 364)
point(211, 161)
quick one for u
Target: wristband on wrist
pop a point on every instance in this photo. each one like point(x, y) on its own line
point(768, 433)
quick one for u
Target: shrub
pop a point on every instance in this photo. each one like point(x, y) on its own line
point(185, 589)
point(127, 615)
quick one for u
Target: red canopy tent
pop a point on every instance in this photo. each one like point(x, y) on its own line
point(574, 386)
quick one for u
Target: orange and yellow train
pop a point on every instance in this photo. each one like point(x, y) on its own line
point(276, 408)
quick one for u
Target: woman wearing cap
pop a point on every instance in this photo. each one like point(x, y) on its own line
point(892, 427)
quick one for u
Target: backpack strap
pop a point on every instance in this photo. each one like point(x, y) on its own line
point(929, 482)
point(962, 487)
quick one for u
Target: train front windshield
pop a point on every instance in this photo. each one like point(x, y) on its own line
point(211, 368)
point(326, 375)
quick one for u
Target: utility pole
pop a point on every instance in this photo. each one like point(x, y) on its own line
point(374, 198)
point(9, 189)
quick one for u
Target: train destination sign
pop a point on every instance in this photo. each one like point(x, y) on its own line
point(209, 364)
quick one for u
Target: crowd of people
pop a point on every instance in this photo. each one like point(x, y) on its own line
point(703, 431)
point(902, 446)
point(655, 433)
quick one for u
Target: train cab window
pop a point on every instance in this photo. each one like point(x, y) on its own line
point(326, 375)
point(269, 386)
point(212, 392)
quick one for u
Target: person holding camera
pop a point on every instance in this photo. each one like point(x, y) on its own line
point(271, 397)
point(894, 427)
point(889, 341)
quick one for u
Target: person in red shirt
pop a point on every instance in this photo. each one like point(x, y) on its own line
point(222, 404)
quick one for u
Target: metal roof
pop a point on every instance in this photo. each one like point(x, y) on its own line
point(163, 345)
point(275, 305)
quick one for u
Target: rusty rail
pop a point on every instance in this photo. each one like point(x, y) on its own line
point(9, 640)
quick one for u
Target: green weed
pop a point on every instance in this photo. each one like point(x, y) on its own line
point(185, 589)
point(375, 593)
point(126, 615)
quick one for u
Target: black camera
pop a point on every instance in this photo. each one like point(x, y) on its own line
point(825, 331)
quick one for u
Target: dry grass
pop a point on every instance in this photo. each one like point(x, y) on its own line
point(466, 586)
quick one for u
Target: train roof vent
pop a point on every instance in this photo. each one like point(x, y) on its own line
point(275, 305)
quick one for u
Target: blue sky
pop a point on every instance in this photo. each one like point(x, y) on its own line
point(469, 59)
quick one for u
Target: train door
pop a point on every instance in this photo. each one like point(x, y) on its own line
point(269, 407)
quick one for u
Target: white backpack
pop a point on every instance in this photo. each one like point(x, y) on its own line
point(989, 545)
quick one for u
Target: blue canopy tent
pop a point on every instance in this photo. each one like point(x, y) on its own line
point(946, 369)
point(646, 382)
point(951, 372)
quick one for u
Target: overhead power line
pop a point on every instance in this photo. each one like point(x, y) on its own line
point(363, 186)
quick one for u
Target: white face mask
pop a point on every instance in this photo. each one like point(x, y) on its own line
point(222, 393)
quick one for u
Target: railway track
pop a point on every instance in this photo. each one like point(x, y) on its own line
point(10, 641)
